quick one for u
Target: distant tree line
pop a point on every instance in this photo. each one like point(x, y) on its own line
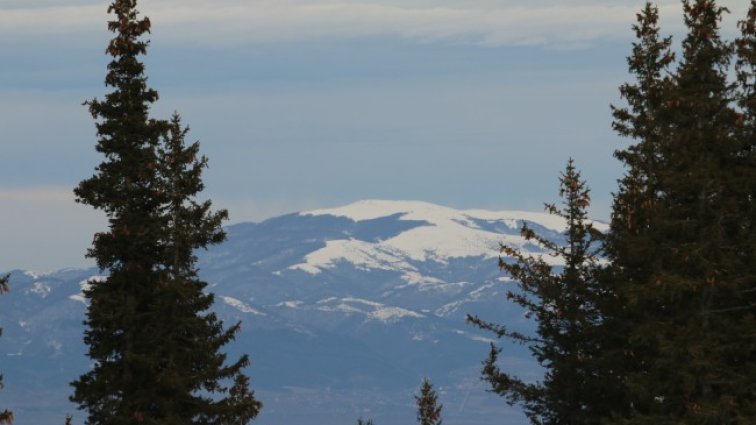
point(655, 321)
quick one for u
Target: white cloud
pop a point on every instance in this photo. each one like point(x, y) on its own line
point(228, 22)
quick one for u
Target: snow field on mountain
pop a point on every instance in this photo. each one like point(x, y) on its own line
point(449, 234)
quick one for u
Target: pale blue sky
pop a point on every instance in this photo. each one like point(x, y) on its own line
point(303, 104)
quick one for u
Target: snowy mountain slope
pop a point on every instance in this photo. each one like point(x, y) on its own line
point(343, 311)
point(446, 233)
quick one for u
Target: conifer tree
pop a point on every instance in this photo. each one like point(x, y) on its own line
point(193, 345)
point(743, 168)
point(686, 380)
point(644, 120)
point(155, 347)
point(428, 409)
point(681, 263)
point(632, 244)
point(566, 306)
point(6, 416)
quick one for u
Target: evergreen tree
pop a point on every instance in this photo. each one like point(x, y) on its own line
point(6, 416)
point(743, 169)
point(156, 349)
point(566, 306)
point(645, 120)
point(632, 245)
point(195, 345)
point(428, 409)
point(680, 256)
point(744, 158)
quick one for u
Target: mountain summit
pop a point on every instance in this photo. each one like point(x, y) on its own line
point(431, 233)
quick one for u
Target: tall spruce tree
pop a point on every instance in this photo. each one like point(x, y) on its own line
point(678, 255)
point(193, 343)
point(155, 348)
point(644, 120)
point(690, 380)
point(566, 306)
point(743, 167)
point(632, 244)
point(428, 409)
point(6, 416)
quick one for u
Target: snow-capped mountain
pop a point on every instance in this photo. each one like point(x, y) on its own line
point(343, 312)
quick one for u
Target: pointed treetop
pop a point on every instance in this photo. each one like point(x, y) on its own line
point(428, 409)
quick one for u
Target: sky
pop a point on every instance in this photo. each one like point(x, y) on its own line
point(304, 104)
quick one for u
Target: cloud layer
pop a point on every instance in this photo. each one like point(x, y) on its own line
point(561, 23)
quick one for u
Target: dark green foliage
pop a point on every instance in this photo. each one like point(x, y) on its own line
point(682, 237)
point(428, 409)
point(633, 244)
point(670, 322)
point(156, 350)
point(743, 162)
point(644, 121)
point(241, 406)
point(566, 306)
point(6, 416)
point(742, 166)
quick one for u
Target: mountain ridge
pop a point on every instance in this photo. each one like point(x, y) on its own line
point(343, 311)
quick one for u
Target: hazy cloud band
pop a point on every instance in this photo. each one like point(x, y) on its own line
point(228, 22)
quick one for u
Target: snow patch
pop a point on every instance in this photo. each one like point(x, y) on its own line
point(451, 234)
point(477, 293)
point(474, 337)
point(482, 339)
point(362, 301)
point(371, 309)
point(372, 209)
point(290, 304)
point(391, 314)
point(239, 305)
point(415, 278)
point(342, 308)
point(363, 255)
point(435, 214)
point(40, 289)
point(447, 309)
point(86, 285)
point(78, 297)
point(36, 274)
